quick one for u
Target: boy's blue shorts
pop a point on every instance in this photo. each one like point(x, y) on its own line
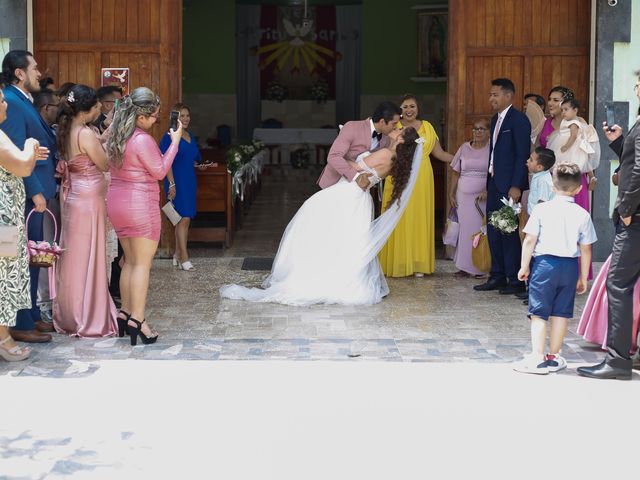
point(552, 286)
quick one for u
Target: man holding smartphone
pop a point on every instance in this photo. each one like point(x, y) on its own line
point(625, 259)
point(107, 96)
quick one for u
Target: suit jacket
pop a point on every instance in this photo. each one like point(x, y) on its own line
point(628, 149)
point(354, 138)
point(23, 121)
point(511, 151)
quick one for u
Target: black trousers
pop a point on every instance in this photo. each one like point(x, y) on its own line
point(621, 280)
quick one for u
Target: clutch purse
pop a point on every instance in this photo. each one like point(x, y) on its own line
point(171, 213)
point(9, 236)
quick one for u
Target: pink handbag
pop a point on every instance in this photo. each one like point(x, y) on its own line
point(452, 229)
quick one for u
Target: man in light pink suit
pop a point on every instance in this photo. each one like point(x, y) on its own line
point(355, 138)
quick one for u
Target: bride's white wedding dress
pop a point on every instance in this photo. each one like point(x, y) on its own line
point(328, 253)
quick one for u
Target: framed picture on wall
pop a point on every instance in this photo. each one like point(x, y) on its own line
point(432, 43)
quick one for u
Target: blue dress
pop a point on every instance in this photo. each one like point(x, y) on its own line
point(184, 174)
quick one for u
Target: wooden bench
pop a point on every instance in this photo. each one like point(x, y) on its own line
point(215, 219)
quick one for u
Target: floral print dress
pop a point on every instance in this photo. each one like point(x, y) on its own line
point(14, 271)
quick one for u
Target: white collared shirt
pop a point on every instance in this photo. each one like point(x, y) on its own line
point(26, 94)
point(540, 190)
point(561, 226)
point(496, 132)
point(374, 141)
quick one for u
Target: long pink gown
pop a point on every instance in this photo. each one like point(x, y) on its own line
point(595, 317)
point(133, 200)
point(471, 164)
point(83, 306)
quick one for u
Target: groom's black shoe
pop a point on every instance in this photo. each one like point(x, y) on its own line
point(514, 288)
point(490, 284)
point(605, 371)
point(524, 295)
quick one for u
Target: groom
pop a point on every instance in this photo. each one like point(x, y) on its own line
point(355, 138)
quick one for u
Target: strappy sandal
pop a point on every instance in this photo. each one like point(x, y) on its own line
point(14, 354)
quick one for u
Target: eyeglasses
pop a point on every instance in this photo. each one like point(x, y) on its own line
point(53, 105)
point(636, 86)
point(155, 115)
point(478, 129)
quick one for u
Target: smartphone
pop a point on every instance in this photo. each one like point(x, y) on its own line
point(173, 120)
point(116, 104)
point(611, 120)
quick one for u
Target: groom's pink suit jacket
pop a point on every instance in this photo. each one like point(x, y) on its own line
point(354, 138)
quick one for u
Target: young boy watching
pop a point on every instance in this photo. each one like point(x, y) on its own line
point(541, 185)
point(558, 232)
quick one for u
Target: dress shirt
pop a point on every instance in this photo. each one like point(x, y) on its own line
point(496, 132)
point(26, 94)
point(560, 225)
point(374, 141)
point(541, 189)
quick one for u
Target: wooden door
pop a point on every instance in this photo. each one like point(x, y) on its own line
point(536, 43)
point(74, 39)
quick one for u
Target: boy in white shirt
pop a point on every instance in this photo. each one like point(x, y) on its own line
point(558, 232)
point(541, 184)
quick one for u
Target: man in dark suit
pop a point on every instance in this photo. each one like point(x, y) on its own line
point(625, 258)
point(510, 147)
point(20, 74)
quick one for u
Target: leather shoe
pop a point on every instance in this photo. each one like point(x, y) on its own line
point(44, 327)
point(523, 295)
point(490, 284)
point(605, 371)
point(30, 336)
point(513, 288)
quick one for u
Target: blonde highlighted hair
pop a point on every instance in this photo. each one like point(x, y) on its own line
point(142, 101)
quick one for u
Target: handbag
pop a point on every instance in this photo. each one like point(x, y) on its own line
point(480, 253)
point(9, 236)
point(171, 213)
point(452, 228)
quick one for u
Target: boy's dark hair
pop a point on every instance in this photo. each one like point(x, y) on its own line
point(567, 177)
point(108, 90)
point(536, 98)
point(572, 102)
point(504, 83)
point(13, 60)
point(386, 111)
point(546, 157)
point(45, 82)
point(43, 97)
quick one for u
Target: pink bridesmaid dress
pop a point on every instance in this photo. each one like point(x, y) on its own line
point(83, 306)
point(594, 320)
point(133, 200)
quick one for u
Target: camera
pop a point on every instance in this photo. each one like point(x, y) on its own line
point(612, 3)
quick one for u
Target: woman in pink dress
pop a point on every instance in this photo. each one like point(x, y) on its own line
point(83, 306)
point(469, 182)
point(133, 201)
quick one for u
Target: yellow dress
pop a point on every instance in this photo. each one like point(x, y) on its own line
point(411, 248)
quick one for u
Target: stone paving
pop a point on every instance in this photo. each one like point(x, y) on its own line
point(438, 318)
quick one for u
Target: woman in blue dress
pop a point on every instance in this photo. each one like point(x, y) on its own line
point(180, 185)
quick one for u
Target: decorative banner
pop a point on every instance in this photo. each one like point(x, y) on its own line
point(118, 77)
point(297, 54)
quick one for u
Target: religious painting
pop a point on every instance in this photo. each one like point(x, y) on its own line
point(297, 52)
point(432, 43)
point(118, 77)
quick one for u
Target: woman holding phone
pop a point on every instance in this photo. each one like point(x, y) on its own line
point(133, 202)
point(180, 184)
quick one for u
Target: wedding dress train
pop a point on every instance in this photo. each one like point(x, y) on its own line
point(328, 253)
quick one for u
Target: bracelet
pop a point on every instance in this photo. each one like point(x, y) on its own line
point(171, 184)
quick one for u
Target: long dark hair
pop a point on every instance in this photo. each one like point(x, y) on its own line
point(13, 60)
point(567, 93)
point(80, 98)
point(401, 168)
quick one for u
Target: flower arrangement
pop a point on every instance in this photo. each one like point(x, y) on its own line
point(43, 253)
point(276, 91)
point(320, 91)
point(300, 158)
point(505, 220)
point(240, 155)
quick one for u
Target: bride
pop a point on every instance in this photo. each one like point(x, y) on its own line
point(328, 253)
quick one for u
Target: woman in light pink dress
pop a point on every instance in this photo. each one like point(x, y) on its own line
point(83, 306)
point(133, 201)
point(469, 182)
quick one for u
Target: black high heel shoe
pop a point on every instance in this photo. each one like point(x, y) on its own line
point(137, 330)
point(123, 328)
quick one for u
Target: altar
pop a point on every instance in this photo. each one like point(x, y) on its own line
point(318, 139)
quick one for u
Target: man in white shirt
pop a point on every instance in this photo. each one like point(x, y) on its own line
point(559, 236)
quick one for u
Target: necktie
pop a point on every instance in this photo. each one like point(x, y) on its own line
point(376, 135)
point(496, 131)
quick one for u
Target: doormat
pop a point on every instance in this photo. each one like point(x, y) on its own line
point(257, 263)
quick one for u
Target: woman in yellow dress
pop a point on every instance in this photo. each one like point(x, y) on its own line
point(411, 248)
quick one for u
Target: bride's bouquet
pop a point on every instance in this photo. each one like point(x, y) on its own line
point(505, 220)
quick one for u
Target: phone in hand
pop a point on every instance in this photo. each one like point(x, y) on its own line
point(611, 120)
point(173, 120)
point(116, 104)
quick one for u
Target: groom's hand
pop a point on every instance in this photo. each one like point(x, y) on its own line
point(363, 180)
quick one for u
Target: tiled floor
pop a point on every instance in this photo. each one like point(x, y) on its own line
point(438, 318)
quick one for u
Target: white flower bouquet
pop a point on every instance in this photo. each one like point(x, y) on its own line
point(505, 220)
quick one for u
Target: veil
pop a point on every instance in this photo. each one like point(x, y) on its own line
point(382, 226)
